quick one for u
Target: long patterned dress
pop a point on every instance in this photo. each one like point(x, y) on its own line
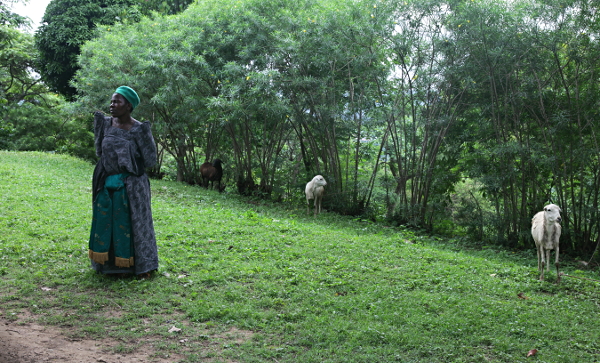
point(128, 151)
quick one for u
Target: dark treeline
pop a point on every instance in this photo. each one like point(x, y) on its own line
point(455, 116)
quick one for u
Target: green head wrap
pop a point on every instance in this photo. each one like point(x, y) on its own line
point(130, 95)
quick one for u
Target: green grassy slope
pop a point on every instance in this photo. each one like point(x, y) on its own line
point(294, 288)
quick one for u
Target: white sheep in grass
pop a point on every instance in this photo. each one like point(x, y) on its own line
point(545, 229)
point(314, 190)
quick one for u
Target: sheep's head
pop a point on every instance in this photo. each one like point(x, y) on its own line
point(552, 213)
point(319, 181)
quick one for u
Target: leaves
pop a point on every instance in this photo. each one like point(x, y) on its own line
point(67, 26)
point(17, 63)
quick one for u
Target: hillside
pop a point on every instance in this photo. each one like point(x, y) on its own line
point(247, 281)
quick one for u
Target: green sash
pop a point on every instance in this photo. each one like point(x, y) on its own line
point(111, 224)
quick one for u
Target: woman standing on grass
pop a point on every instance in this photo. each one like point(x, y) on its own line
point(122, 239)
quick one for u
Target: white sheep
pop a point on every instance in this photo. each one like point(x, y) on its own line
point(314, 190)
point(545, 229)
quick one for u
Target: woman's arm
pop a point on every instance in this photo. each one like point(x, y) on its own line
point(99, 120)
point(146, 145)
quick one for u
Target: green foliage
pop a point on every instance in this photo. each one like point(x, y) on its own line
point(473, 212)
point(32, 118)
point(32, 128)
point(17, 63)
point(258, 282)
point(66, 26)
point(530, 113)
point(7, 17)
point(165, 7)
point(41, 128)
point(426, 93)
point(174, 83)
point(211, 72)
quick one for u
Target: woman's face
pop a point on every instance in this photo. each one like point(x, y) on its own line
point(119, 105)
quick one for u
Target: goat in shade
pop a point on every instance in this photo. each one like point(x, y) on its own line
point(545, 229)
point(212, 172)
point(315, 190)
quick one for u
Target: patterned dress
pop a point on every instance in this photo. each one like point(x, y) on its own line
point(128, 151)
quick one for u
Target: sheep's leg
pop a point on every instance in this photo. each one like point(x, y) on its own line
point(320, 204)
point(547, 260)
point(543, 263)
point(317, 205)
point(557, 264)
point(540, 256)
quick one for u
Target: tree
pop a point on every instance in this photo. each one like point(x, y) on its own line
point(165, 7)
point(66, 26)
point(31, 117)
point(502, 95)
point(416, 100)
point(17, 64)
point(532, 114)
point(7, 17)
point(161, 59)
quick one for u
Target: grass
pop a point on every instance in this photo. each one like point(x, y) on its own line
point(249, 281)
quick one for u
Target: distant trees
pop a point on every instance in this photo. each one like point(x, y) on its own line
point(422, 101)
point(532, 112)
point(31, 117)
point(20, 91)
point(8, 17)
point(68, 24)
point(394, 103)
point(165, 7)
point(276, 87)
point(17, 60)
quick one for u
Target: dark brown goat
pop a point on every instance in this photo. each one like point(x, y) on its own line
point(212, 172)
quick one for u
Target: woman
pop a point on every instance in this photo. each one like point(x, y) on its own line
point(122, 239)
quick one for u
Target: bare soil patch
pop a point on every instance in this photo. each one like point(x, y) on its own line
point(22, 340)
point(32, 343)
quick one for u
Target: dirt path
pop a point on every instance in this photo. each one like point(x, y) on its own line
point(32, 343)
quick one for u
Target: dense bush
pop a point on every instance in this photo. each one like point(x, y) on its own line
point(28, 127)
